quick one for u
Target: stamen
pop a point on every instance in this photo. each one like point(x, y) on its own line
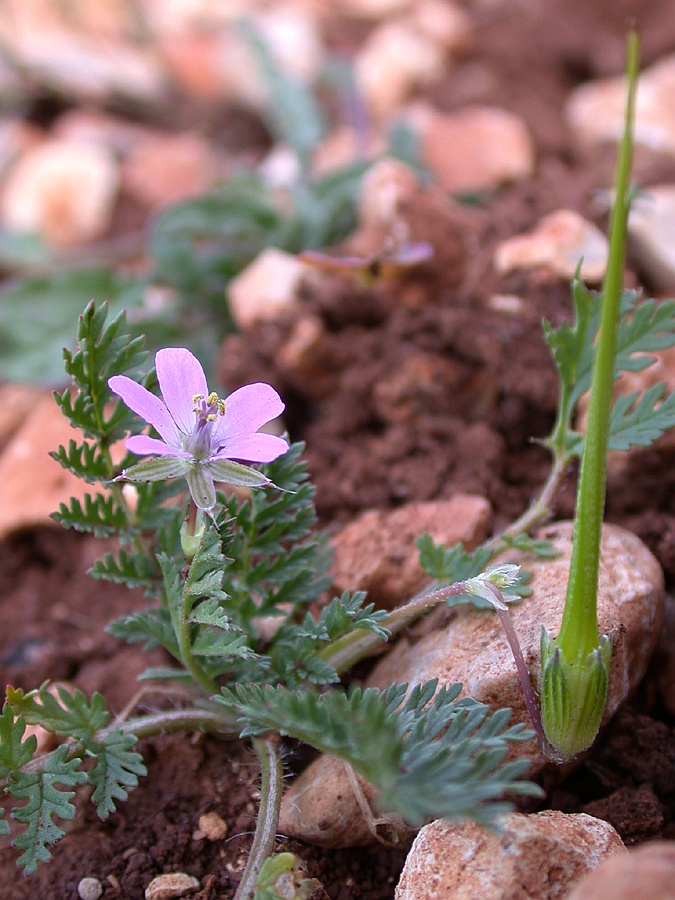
point(212, 399)
point(221, 407)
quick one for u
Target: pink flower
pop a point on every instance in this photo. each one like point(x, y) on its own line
point(201, 435)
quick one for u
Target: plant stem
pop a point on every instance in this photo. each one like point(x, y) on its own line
point(267, 749)
point(579, 630)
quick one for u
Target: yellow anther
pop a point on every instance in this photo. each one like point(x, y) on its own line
point(211, 417)
point(212, 399)
point(221, 407)
point(197, 397)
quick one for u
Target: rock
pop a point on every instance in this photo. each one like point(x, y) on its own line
point(385, 188)
point(646, 873)
point(377, 553)
point(63, 190)
point(92, 126)
point(34, 484)
point(165, 168)
point(651, 231)
point(212, 826)
point(89, 889)
point(16, 137)
point(444, 22)
point(396, 58)
point(170, 886)
point(559, 242)
point(376, 9)
point(475, 148)
point(342, 146)
point(468, 645)
point(541, 855)
point(266, 288)
point(308, 360)
point(595, 111)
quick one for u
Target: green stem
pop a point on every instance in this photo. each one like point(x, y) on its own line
point(268, 751)
point(579, 630)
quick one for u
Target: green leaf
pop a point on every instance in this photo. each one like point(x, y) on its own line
point(639, 422)
point(69, 715)
point(133, 569)
point(343, 615)
point(36, 317)
point(152, 626)
point(116, 772)
point(291, 110)
point(44, 800)
point(527, 544)
point(428, 753)
point(14, 751)
point(227, 644)
point(451, 564)
point(98, 515)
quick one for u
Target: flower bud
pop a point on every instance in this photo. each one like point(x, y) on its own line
point(573, 695)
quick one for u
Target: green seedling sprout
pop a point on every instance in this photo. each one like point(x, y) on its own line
point(575, 664)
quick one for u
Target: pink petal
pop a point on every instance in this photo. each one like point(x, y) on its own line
point(247, 410)
point(259, 448)
point(180, 377)
point(143, 445)
point(147, 406)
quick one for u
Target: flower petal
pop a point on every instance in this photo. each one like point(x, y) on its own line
point(155, 470)
point(258, 447)
point(147, 406)
point(180, 377)
point(142, 445)
point(200, 482)
point(246, 410)
point(235, 473)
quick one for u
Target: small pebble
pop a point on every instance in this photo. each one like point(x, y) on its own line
point(171, 885)
point(89, 889)
point(213, 827)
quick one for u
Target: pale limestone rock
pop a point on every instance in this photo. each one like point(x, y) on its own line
point(266, 288)
point(342, 146)
point(89, 889)
point(474, 148)
point(559, 242)
point(541, 855)
point(385, 187)
point(212, 826)
point(396, 58)
point(468, 645)
point(651, 231)
point(33, 484)
point(166, 168)
point(170, 886)
point(377, 553)
point(596, 110)
point(446, 23)
point(645, 873)
point(92, 126)
point(63, 190)
point(376, 9)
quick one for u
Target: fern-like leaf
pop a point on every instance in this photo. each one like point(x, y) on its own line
point(14, 751)
point(117, 771)
point(44, 801)
point(639, 422)
point(69, 715)
point(100, 516)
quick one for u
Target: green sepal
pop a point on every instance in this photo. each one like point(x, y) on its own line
point(157, 469)
point(237, 474)
point(284, 877)
point(573, 695)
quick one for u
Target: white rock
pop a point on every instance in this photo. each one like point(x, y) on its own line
point(541, 855)
point(474, 148)
point(63, 190)
point(651, 230)
point(395, 59)
point(385, 187)
point(468, 646)
point(170, 886)
point(558, 242)
point(89, 889)
point(376, 9)
point(266, 288)
point(444, 22)
point(212, 826)
point(595, 111)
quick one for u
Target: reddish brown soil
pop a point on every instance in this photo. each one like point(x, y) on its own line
point(431, 391)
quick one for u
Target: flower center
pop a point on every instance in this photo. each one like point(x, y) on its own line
point(206, 410)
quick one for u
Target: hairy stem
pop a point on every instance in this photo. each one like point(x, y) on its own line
point(267, 749)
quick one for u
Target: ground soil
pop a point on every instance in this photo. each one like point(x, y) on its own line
point(432, 390)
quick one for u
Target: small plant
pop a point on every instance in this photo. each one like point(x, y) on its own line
point(218, 567)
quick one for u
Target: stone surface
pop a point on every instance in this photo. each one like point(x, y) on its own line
point(170, 886)
point(396, 58)
point(63, 190)
point(475, 148)
point(385, 188)
point(541, 855)
point(377, 553)
point(468, 645)
point(89, 889)
point(558, 243)
point(164, 168)
point(595, 110)
point(646, 873)
point(212, 826)
point(651, 232)
point(33, 484)
point(266, 288)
